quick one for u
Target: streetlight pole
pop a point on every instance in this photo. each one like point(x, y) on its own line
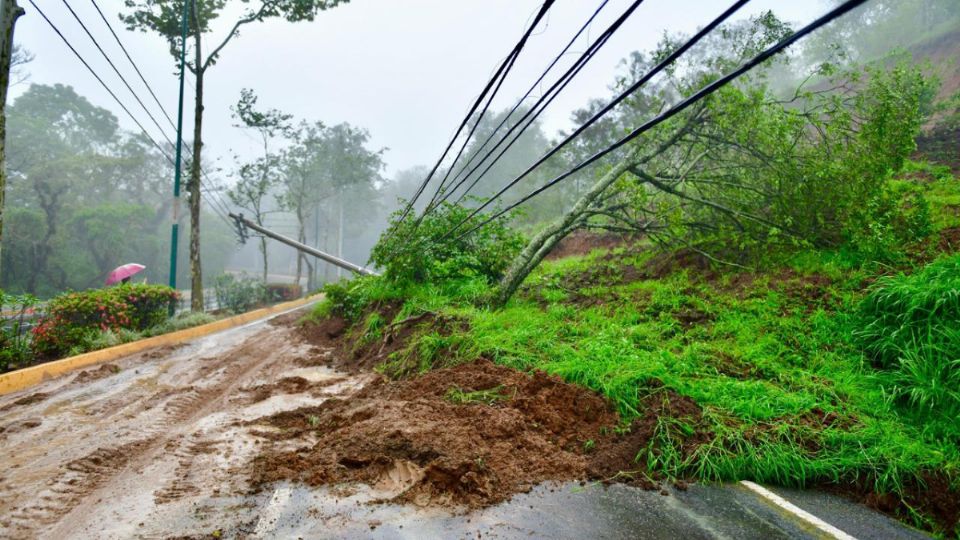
point(174, 232)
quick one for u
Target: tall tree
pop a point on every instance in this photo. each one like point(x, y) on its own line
point(330, 172)
point(164, 17)
point(260, 176)
point(84, 197)
point(56, 135)
point(9, 13)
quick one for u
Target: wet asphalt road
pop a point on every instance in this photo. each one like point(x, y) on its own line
point(575, 512)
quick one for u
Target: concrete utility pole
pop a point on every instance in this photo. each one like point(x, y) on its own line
point(332, 259)
point(9, 13)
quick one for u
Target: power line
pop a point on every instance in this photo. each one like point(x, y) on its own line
point(212, 194)
point(616, 101)
point(546, 99)
point(679, 107)
point(503, 66)
point(132, 63)
point(518, 104)
point(114, 67)
point(110, 91)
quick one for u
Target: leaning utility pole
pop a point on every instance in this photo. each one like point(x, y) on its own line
point(243, 222)
point(9, 13)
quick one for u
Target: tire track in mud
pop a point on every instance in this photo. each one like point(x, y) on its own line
point(79, 478)
point(159, 420)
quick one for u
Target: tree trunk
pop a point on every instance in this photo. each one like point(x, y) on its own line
point(327, 267)
point(196, 274)
point(541, 244)
point(9, 13)
point(340, 232)
point(49, 198)
point(263, 252)
point(301, 236)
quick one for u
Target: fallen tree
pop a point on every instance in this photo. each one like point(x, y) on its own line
point(747, 168)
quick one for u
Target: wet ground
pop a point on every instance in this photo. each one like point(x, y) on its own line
point(156, 445)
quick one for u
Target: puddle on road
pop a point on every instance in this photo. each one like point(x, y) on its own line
point(314, 374)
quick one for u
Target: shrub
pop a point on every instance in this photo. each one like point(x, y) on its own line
point(277, 292)
point(94, 341)
point(238, 295)
point(412, 252)
point(888, 222)
point(180, 322)
point(14, 339)
point(78, 317)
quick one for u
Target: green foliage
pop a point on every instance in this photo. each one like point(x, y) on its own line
point(182, 321)
point(238, 295)
point(910, 326)
point(885, 224)
point(903, 310)
point(76, 318)
point(83, 197)
point(749, 170)
point(347, 299)
point(411, 251)
point(96, 340)
point(14, 338)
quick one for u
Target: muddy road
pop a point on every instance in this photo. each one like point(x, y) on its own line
point(161, 445)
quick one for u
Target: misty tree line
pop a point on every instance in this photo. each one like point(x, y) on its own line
point(84, 196)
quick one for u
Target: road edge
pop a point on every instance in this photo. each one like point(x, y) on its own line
point(24, 378)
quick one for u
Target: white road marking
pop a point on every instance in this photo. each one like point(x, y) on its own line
point(797, 511)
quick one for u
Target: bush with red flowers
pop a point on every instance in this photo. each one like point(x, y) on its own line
point(72, 317)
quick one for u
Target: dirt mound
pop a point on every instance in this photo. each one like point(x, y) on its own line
point(101, 372)
point(354, 353)
point(325, 332)
point(470, 435)
point(583, 242)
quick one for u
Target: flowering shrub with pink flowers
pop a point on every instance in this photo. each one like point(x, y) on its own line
point(72, 317)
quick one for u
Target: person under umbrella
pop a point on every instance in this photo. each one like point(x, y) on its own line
point(122, 274)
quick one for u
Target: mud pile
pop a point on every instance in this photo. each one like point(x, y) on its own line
point(470, 435)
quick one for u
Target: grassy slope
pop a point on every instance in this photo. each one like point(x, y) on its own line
point(768, 355)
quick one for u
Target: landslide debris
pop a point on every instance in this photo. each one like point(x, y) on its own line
point(471, 435)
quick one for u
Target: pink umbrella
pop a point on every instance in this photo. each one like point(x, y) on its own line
point(122, 272)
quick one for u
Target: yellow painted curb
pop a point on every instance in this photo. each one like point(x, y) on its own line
point(27, 377)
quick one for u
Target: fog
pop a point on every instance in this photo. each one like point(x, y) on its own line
point(397, 76)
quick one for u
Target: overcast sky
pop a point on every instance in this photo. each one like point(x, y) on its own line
point(407, 71)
